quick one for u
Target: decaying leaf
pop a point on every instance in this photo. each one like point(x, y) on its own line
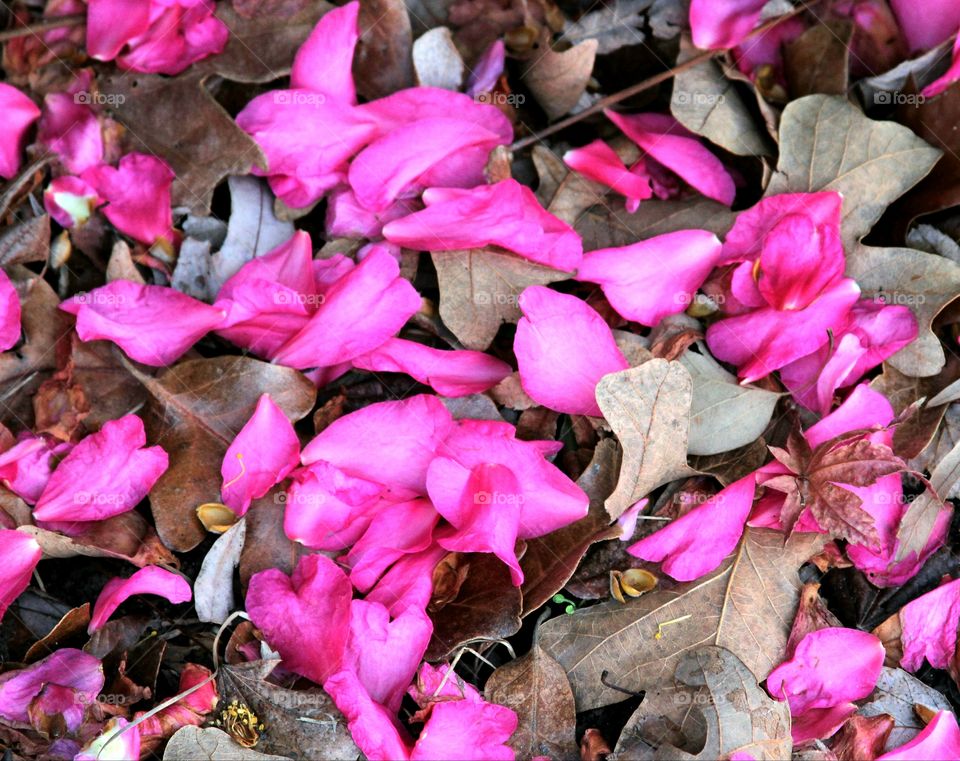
point(27, 241)
point(745, 606)
point(382, 64)
point(649, 409)
point(437, 61)
point(191, 743)
point(613, 26)
point(896, 694)
point(213, 588)
point(557, 80)
point(818, 61)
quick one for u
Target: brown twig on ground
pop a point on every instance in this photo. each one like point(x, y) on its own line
point(42, 26)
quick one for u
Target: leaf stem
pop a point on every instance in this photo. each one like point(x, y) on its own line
point(57, 22)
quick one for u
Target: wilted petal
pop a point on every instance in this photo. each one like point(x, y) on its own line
point(190, 710)
point(20, 553)
point(67, 673)
point(374, 729)
point(451, 373)
point(261, 455)
point(9, 313)
point(151, 580)
point(656, 277)
point(686, 550)
point(19, 113)
point(597, 161)
point(113, 744)
point(106, 474)
point(153, 324)
point(324, 61)
point(506, 214)
point(305, 617)
point(939, 739)
point(563, 348)
point(929, 626)
point(443, 736)
point(716, 25)
point(70, 201)
point(486, 71)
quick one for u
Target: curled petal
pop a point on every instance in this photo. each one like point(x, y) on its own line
point(72, 677)
point(20, 553)
point(19, 113)
point(324, 61)
point(939, 739)
point(929, 626)
point(597, 161)
point(151, 580)
point(9, 313)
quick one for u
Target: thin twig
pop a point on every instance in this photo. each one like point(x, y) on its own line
point(42, 26)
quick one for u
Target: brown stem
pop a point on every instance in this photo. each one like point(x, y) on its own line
point(42, 26)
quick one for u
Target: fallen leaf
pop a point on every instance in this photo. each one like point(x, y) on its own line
point(565, 194)
point(896, 694)
point(213, 589)
point(921, 516)
point(648, 408)
point(73, 624)
point(190, 743)
point(612, 26)
point(479, 289)
point(383, 64)
point(266, 544)
point(24, 242)
point(945, 439)
point(557, 80)
point(818, 61)
point(196, 409)
point(745, 605)
point(121, 266)
point(714, 709)
point(436, 60)
point(731, 466)
point(97, 367)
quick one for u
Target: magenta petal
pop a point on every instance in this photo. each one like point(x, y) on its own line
point(123, 745)
point(25, 468)
point(663, 138)
point(113, 23)
point(261, 455)
point(930, 627)
point(829, 667)
point(151, 580)
point(716, 25)
point(563, 348)
point(305, 617)
point(324, 61)
point(451, 373)
point(939, 739)
point(106, 474)
point(20, 553)
point(81, 674)
point(487, 70)
point(179, 34)
point(289, 265)
point(863, 408)
point(685, 549)
point(359, 312)
point(820, 723)
point(409, 582)
point(19, 112)
point(137, 193)
point(70, 200)
point(597, 161)
point(926, 24)
point(153, 324)
point(404, 434)
point(9, 313)
point(375, 730)
point(654, 278)
point(444, 736)
point(72, 130)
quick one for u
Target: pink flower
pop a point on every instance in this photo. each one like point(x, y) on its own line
point(597, 161)
point(505, 214)
point(927, 24)
point(157, 36)
point(25, 468)
point(929, 626)
point(670, 144)
point(106, 474)
point(20, 553)
point(9, 313)
point(654, 278)
point(722, 25)
point(19, 113)
point(324, 62)
point(151, 580)
point(70, 127)
point(830, 669)
point(491, 726)
point(939, 739)
point(153, 324)
point(685, 549)
point(70, 200)
point(260, 456)
point(62, 684)
point(563, 348)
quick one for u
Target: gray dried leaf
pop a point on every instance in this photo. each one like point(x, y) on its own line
point(436, 60)
point(213, 589)
point(192, 743)
point(612, 26)
point(896, 693)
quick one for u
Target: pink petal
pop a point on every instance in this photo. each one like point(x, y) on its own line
point(415, 103)
point(820, 723)
point(765, 49)
point(361, 311)
point(930, 627)
point(153, 324)
point(830, 667)
point(112, 23)
point(950, 76)
point(81, 674)
point(20, 553)
point(864, 408)
point(179, 35)
point(290, 265)
point(939, 739)
point(597, 161)
point(506, 214)
point(654, 278)
point(261, 455)
point(487, 70)
point(443, 736)
point(563, 348)
point(346, 218)
point(663, 138)
point(9, 313)
point(926, 24)
point(450, 373)
point(324, 61)
point(137, 193)
point(311, 607)
point(151, 580)
point(19, 112)
point(70, 128)
point(375, 730)
point(409, 582)
point(716, 25)
point(685, 549)
point(767, 339)
point(122, 745)
point(404, 434)
point(25, 468)
point(106, 474)
point(70, 201)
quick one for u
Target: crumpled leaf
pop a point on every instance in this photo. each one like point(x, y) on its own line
point(479, 289)
point(437, 61)
point(648, 408)
point(818, 60)
point(196, 410)
point(27, 241)
point(612, 26)
point(382, 64)
point(213, 588)
point(535, 687)
point(714, 710)
point(191, 743)
point(565, 194)
point(745, 606)
point(896, 694)
point(557, 80)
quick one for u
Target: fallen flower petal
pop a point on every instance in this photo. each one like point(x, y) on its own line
point(151, 580)
point(20, 553)
point(929, 626)
point(597, 161)
point(115, 743)
point(928, 24)
point(443, 736)
point(70, 127)
point(191, 710)
point(70, 201)
point(72, 678)
point(9, 313)
point(19, 114)
point(939, 739)
point(723, 25)
point(324, 61)
point(25, 468)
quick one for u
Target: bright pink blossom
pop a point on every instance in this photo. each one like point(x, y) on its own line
point(9, 313)
point(153, 324)
point(717, 25)
point(261, 455)
point(563, 348)
point(929, 626)
point(597, 161)
point(20, 553)
point(106, 474)
point(939, 739)
point(505, 214)
point(653, 278)
point(685, 549)
point(70, 127)
point(19, 113)
point(151, 580)
point(157, 36)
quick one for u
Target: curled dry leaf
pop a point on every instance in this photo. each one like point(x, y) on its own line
point(382, 64)
point(213, 588)
point(190, 743)
point(897, 694)
point(24, 242)
point(557, 80)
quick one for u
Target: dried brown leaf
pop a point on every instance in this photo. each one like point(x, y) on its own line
point(27, 241)
point(896, 694)
point(557, 80)
point(818, 60)
point(383, 63)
